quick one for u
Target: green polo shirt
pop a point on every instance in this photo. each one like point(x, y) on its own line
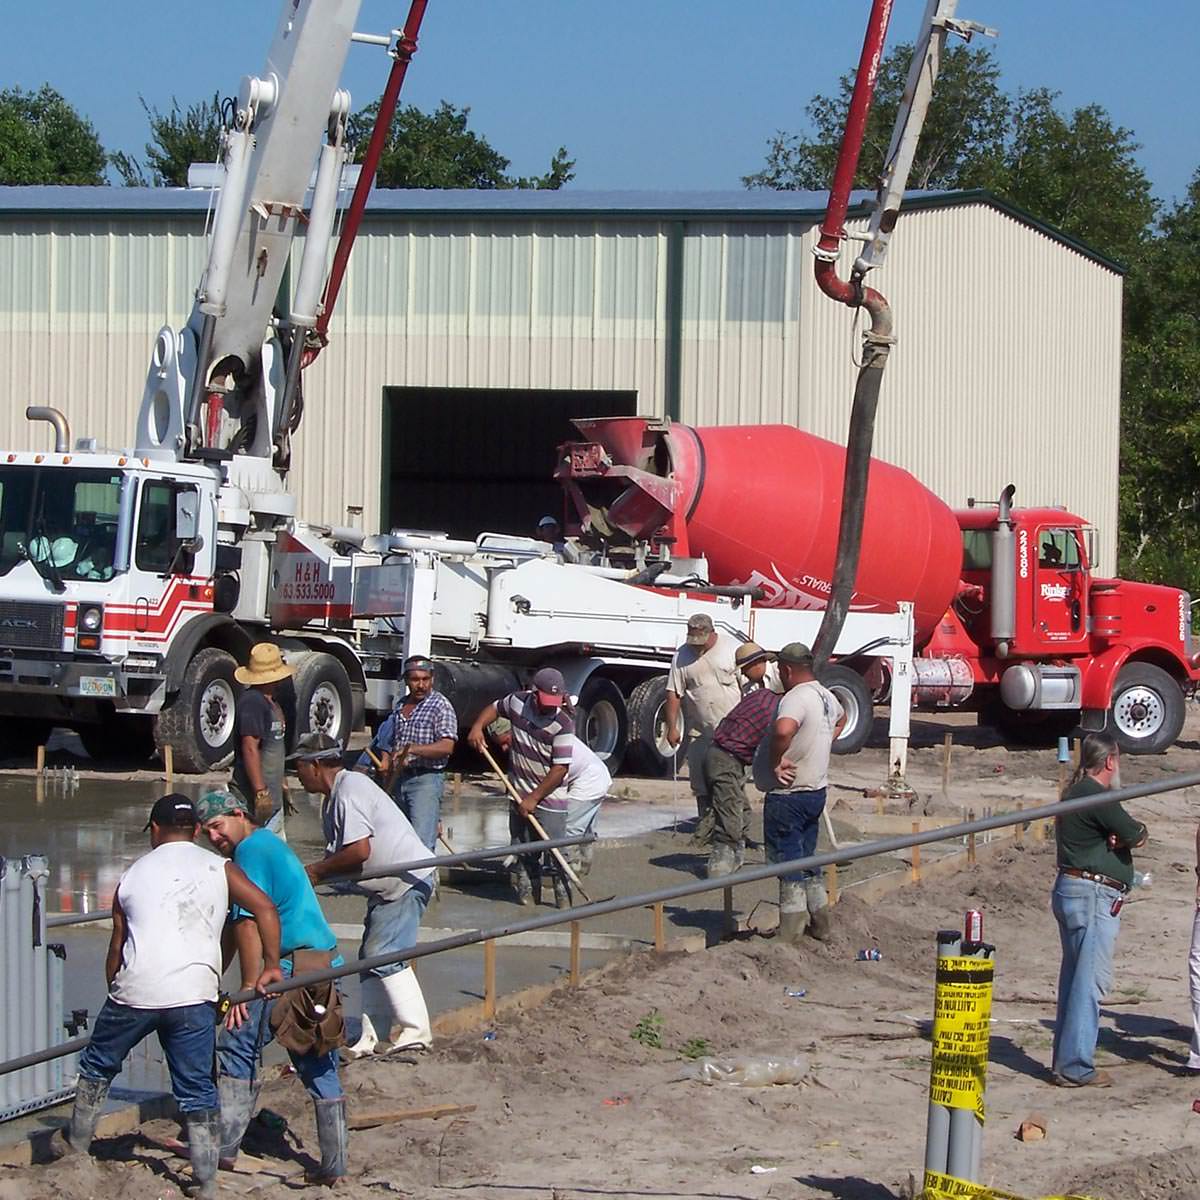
point(1083, 836)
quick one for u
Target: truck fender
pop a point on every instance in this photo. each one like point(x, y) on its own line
point(294, 647)
point(211, 629)
point(1100, 674)
point(575, 672)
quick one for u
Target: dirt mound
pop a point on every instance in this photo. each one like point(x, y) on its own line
point(1171, 1175)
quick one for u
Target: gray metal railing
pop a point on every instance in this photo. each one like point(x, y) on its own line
point(679, 891)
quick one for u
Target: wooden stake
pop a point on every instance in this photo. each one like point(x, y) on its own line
point(489, 979)
point(947, 747)
point(1019, 828)
point(831, 883)
point(879, 804)
point(971, 848)
point(574, 954)
point(456, 784)
point(730, 923)
point(433, 1112)
point(660, 929)
point(168, 763)
point(916, 855)
point(41, 760)
point(1062, 779)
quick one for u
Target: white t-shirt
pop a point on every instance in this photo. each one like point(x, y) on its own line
point(357, 809)
point(708, 683)
point(175, 900)
point(587, 781)
point(816, 711)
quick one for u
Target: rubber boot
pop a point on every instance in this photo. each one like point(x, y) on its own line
point(562, 894)
point(722, 860)
point(587, 854)
point(90, 1095)
point(408, 1027)
point(793, 911)
point(523, 886)
point(376, 1018)
point(204, 1141)
point(739, 855)
point(237, 1107)
point(820, 918)
point(333, 1138)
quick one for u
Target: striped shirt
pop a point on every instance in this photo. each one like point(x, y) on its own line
point(540, 740)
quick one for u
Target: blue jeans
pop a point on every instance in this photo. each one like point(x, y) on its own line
point(1087, 929)
point(239, 1050)
point(392, 925)
point(188, 1036)
point(418, 795)
point(791, 822)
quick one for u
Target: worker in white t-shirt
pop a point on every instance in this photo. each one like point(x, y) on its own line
point(164, 972)
point(365, 830)
point(705, 683)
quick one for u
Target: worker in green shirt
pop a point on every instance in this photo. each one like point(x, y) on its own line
point(1095, 870)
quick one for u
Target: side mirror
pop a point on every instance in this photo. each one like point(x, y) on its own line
point(187, 515)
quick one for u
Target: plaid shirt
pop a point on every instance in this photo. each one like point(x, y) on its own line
point(746, 725)
point(433, 719)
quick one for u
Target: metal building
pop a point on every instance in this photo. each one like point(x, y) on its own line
point(474, 325)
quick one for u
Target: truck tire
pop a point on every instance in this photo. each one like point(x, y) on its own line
point(200, 722)
point(855, 698)
point(601, 721)
point(321, 700)
point(1147, 711)
point(119, 737)
point(647, 749)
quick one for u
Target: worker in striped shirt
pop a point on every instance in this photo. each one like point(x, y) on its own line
point(543, 741)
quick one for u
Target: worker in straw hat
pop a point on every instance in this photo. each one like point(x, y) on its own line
point(258, 768)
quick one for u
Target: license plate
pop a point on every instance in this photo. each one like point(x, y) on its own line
point(97, 685)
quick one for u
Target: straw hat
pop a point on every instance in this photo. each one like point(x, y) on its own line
point(266, 666)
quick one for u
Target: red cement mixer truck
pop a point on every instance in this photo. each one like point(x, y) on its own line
point(1010, 621)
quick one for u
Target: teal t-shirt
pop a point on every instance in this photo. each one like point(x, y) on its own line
point(272, 867)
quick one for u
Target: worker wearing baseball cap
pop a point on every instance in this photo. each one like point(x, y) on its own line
point(364, 830)
point(164, 971)
point(792, 767)
point(413, 747)
point(258, 770)
point(307, 943)
point(543, 736)
point(703, 683)
point(725, 765)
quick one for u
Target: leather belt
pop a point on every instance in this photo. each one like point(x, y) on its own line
point(1108, 881)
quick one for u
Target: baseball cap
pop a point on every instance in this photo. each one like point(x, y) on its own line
point(172, 810)
point(699, 629)
point(796, 653)
point(220, 802)
point(749, 653)
point(550, 686)
point(548, 521)
point(316, 747)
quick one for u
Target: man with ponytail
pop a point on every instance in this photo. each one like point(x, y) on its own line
point(1095, 870)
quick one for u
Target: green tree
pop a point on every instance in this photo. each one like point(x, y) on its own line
point(44, 140)
point(178, 139)
point(1076, 171)
point(438, 150)
point(1160, 404)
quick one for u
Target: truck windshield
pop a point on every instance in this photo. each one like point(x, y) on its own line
point(61, 519)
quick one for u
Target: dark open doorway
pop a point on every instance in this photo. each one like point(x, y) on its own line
point(469, 460)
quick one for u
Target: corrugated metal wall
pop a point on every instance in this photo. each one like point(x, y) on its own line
point(1007, 367)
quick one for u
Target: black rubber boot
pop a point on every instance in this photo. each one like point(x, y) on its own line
point(204, 1145)
point(90, 1095)
point(333, 1138)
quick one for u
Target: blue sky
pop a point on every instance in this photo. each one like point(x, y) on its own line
point(644, 93)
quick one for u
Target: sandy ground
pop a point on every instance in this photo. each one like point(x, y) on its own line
point(568, 1104)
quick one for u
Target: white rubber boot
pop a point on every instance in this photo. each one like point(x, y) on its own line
point(408, 1028)
point(376, 1018)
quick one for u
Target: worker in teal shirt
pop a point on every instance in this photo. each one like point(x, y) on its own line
point(306, 943)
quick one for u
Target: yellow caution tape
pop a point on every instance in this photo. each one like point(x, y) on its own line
point(950, 1187)
point(962, 1010)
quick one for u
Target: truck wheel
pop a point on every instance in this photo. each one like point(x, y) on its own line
point(648, 750)
point(323, 701)
point(601, 721)
point(1147, 709)
point(199, 723)
point(119, 737)
point(854, 696)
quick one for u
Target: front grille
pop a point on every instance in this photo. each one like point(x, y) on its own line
point(27, 626)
